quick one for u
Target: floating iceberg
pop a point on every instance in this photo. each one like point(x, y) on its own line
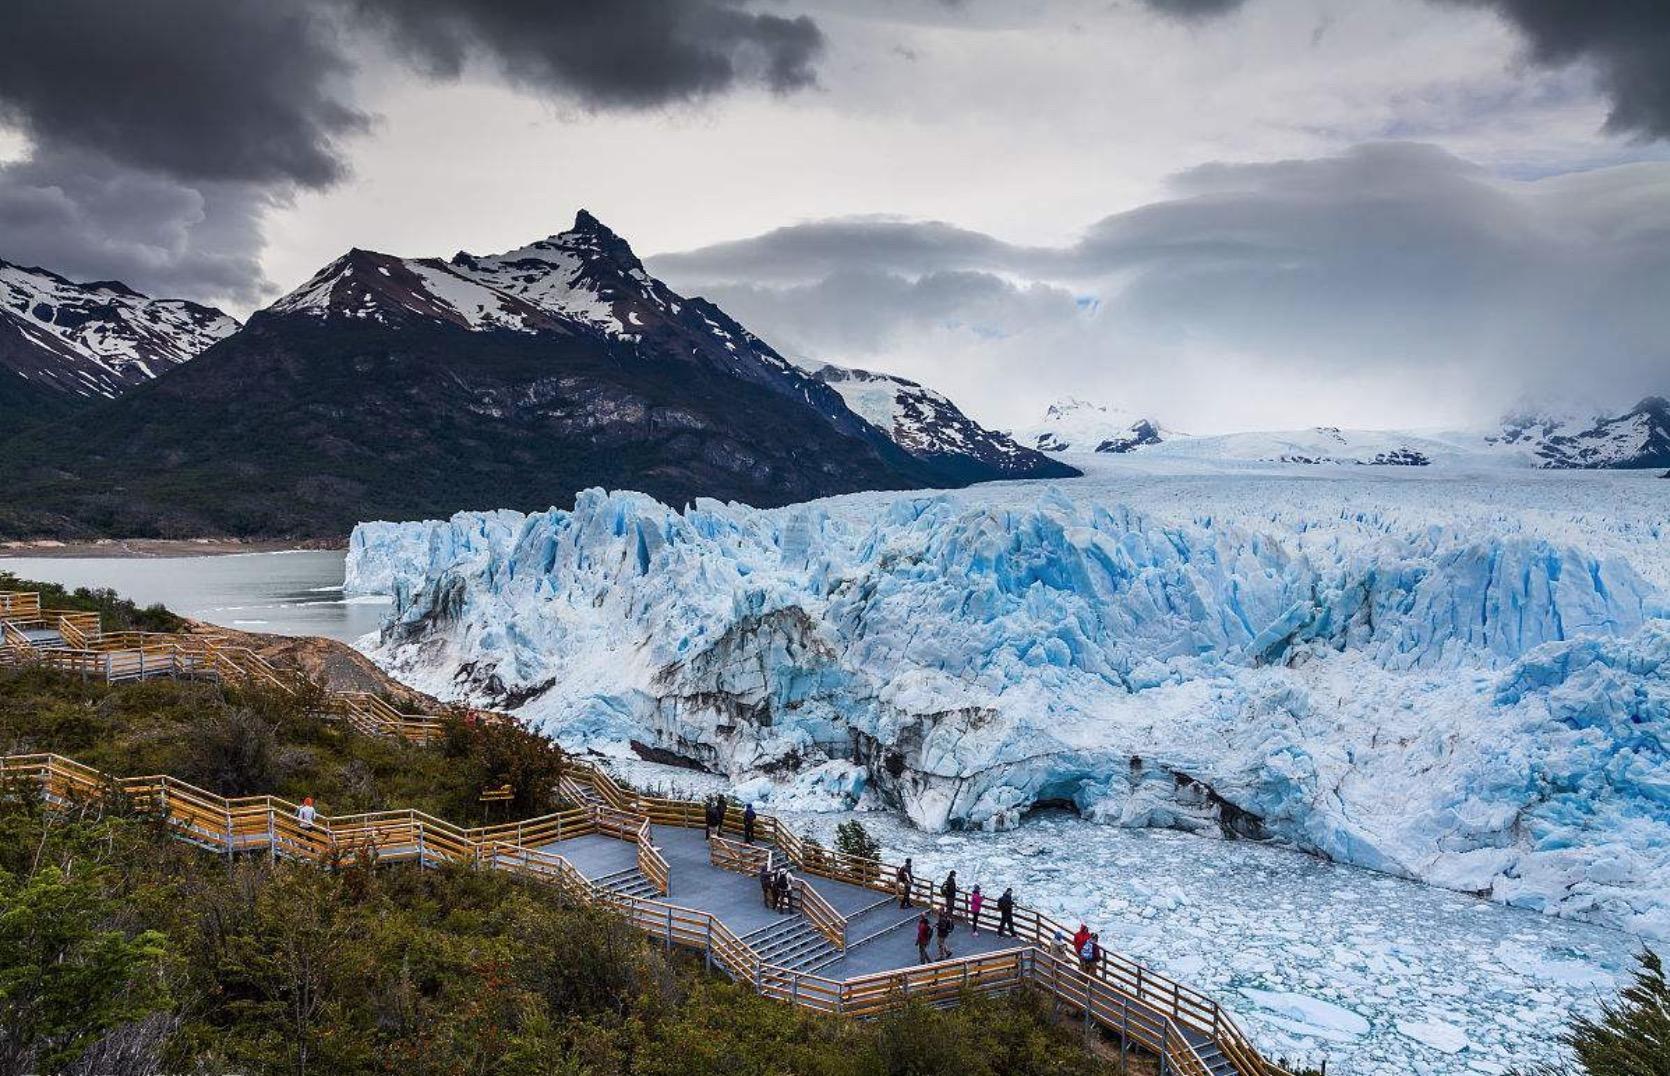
point(1488, 712)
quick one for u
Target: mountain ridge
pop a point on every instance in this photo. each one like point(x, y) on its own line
point(409, 387)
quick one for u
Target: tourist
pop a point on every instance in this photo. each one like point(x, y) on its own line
point(906, 878)
point(748, 817)
point(948, 891)
point(710, 813)
point(924, 931)
point(1058, 945)
point(784, 902)
point(944, 932)
point(975, 900)
point(1091, 953)
point(305, 814)
point(1006, 913)
point(1080, 936)
point(766, 880)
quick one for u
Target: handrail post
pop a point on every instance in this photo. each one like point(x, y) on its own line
point(1165, 1048)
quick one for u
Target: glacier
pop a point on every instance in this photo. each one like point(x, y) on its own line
point(1481, 707)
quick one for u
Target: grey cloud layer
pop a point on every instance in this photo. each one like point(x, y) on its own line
point(161, 130)
point(1392, 258)
point(1628, 41)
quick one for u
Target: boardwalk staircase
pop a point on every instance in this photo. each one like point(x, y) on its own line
point(877, 921)
point(1187, 1030)
point(630, 882)
point(74, 641)
point(793, 943)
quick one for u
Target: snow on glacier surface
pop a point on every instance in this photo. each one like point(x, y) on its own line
point(1462, 678)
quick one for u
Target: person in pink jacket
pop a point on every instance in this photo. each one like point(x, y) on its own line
point(975, 900)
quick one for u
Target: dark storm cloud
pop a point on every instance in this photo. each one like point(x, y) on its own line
point(1627, 40)
point(161, 131)
point(83, 216)
point(606, 53)
point(1193, 9)
point(198, 89)
point(1396, 258)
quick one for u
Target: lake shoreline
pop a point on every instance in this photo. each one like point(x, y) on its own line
point(156, 548)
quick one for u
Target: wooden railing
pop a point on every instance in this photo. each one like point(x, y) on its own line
point(1158, 995)
point(20, 604)
point(271, 824)
point(123, 655)
point(821, 914)
point(626, 815)
point(650, 861)
point(729, 855)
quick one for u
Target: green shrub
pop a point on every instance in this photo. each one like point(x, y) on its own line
point(1632, 1035)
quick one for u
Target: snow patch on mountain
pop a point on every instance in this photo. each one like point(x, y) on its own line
point(1639, 437)
point(99, 338)
point(927, 424)
point(1074, 425)
point(1484, 711)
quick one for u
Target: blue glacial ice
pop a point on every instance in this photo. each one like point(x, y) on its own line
point(1485, 710)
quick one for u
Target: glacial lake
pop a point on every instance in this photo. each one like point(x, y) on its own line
point(296, 592)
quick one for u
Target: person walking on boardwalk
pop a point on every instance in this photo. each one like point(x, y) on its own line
point(1080, 936)
point(784, 903)
point(976, 900)
point(943, 929)
point(305, 814)
point(1006, 913)
point(766, 881)
point(906, 877)
point(948, 892)
point(748, 816)
point(924, 931)
point(1091, 954)
point(710, 820)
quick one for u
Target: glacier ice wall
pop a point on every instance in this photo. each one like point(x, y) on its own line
point(1487, 713)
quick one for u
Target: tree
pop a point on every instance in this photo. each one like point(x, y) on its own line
point(65, 979)
point(1632, 1035)
point(860, 852)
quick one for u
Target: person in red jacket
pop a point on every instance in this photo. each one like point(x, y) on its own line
point(924, 933)
point(1080, 936)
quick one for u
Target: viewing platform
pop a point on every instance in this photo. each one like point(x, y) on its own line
point(841, 945)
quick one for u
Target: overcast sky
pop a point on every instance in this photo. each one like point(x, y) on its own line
point(1231, 215)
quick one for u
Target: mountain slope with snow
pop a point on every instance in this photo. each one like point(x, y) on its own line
point(1074, 425)
point(1374, 669)
point(930, 427)
point(95, 340)
point(406, 387)
point(1637, 438)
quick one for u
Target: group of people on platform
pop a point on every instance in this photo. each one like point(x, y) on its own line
point(713, 819)
point(938, 919)
point(776, 886)
point(930, 925)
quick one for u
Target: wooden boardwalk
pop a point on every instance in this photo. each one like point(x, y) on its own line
point(843, 947)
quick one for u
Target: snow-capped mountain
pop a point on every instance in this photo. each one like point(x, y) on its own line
point(402, 387)
point(1074, 425)
point(1638, 438)
point(929, 426)
point(96, 339)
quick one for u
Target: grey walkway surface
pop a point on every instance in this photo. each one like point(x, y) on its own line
point(880, 935)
